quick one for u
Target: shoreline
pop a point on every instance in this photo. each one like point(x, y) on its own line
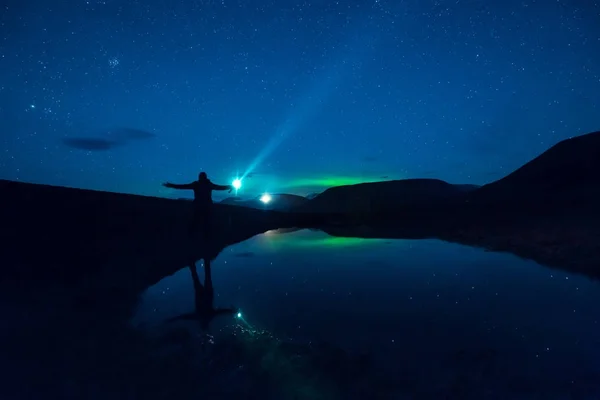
point(108, 232)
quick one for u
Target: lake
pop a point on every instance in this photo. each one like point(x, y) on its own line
point(441, 319)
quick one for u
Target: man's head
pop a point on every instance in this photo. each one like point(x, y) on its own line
point(202, 176)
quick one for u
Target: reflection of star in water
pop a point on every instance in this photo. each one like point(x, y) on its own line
point(113, 62)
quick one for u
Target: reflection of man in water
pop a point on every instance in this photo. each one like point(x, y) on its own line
point(204, 296)
point(202, 188)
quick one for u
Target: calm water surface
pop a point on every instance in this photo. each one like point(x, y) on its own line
point(421, 308)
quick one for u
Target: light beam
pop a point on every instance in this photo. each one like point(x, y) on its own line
point(312, 103)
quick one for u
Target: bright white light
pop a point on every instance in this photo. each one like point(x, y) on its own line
point(266, 198)
point(237, 184)
point(239, 315)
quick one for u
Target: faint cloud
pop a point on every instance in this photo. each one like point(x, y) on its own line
point(113, 138)
point(90, 144)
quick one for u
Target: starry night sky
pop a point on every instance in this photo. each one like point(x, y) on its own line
point(124, 95)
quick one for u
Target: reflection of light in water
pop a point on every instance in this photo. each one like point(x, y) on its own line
point(280, 239)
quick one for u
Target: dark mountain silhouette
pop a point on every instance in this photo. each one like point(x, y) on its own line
point(467, 188)
point(382, 197)
point(568, 173)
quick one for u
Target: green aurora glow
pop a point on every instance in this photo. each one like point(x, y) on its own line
point(329, 181)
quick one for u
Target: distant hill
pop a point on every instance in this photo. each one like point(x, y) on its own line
point(568, 172)
point(385, 196)
point(279, 202)
point(231, 200)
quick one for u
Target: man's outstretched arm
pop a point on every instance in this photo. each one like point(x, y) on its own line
point(176, 186)
point(221, 187)
point(183, 317)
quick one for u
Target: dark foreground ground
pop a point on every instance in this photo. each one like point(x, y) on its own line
point(75, 263)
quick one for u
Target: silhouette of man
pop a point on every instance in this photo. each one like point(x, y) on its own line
point(203, 203)
point(204, 295)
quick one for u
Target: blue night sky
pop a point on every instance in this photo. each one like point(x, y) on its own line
point(301, 94)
